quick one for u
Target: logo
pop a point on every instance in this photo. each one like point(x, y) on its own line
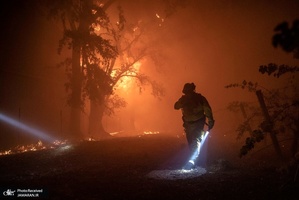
point(9, 192)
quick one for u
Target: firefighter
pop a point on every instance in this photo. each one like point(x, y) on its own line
point(195, 111)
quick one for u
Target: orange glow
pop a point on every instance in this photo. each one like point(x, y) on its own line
point(97, 28)
point(151, 132)
point(32, 147)
point(158, 16)
point(126, 82)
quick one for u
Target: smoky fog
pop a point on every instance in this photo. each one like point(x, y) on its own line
point(209, 43)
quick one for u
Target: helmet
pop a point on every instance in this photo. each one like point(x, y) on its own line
point(188, 88)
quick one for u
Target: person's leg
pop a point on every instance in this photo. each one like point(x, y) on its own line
point(190, 129)
point(193, 132)
point(197, 137)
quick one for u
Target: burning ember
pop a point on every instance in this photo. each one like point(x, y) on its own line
point(124, 133)
point(150, 132)
point(32, 147)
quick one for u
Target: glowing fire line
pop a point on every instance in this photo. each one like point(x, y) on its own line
point(32, 147)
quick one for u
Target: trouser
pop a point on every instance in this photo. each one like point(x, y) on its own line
point(194, 132)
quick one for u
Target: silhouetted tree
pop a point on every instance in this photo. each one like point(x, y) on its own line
point(282, 104)
point(287, 37)
point(79, 19)
point(277, 71)
point(133, 41)
point(133, 48)
point(103, 53)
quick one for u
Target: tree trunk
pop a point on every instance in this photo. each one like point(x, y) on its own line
point(96, 128)
point(75, 101)
point(77, 73)
point(269, 122)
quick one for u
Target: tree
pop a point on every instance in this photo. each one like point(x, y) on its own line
point(133, 46)
point(282, 107)
point(287, 37)
point(133, 43)
point(282, 104)
point(103, 53)
point(79, 19)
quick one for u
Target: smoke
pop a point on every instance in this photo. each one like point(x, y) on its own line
point(210, 43)
point(214, 44)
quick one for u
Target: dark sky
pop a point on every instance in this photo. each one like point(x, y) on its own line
point(31, 86)
point(210, 43)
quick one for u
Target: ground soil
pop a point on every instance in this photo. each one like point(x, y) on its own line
point(119, 168)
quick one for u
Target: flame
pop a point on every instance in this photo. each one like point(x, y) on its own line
point(135, 28)
point(90, 139)
point(32, 147)
point(127, 81)
point(162, 19)
point(97, 29)
point(151, 132)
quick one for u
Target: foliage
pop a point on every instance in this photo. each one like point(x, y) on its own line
point(283, 108)
point(287, 37)
point(100, 44)
point(250, 113)
point(276, 70)
point(251, 86)
point(113, 103)
point(97, 83)
point(131, 41)
point(256, 136)
point(282, 104)
point(79, 20)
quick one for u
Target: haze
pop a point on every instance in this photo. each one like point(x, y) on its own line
point(210, 43)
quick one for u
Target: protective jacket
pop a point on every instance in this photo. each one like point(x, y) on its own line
point(194, 107)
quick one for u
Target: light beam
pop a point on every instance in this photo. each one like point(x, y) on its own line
point(32, 131)
point(197, 151)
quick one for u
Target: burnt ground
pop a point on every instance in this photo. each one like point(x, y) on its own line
point(119, 168)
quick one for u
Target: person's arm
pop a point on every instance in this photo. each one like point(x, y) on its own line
point(208, 112)
point(179, 104)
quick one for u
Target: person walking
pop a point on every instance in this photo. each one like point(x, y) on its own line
point(195, 111)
